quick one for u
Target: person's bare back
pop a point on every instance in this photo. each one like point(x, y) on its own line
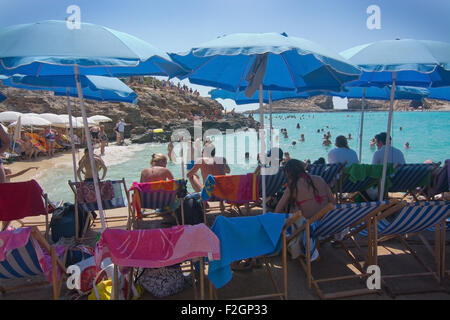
point(156, 174)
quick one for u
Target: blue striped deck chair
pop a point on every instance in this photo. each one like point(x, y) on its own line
point(23, 263)
point(335, 223)
point(348, 186)
point(439, 182)
point(329, 172)
point(274, 183)
point(121, 200)
point(411, 219)
point(162, 197)
point(408, 177)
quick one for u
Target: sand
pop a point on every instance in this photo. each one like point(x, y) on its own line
point(333, 262)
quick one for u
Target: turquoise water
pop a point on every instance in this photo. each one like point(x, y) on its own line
point(426, 132)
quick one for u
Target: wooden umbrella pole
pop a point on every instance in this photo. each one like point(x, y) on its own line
point(363, 105)
point(263, 146)
point(91, 151)
point(72, 144)
point(388, 137)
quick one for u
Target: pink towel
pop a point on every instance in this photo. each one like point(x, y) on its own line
point(156, 248)
point(13, 239)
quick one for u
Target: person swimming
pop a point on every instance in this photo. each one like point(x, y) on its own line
point(407, 145)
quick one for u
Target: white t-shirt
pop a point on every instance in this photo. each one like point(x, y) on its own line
point(341, 155)
point(121, 126)
point(395, 156)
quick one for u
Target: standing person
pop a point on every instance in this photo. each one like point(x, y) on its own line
point(84, 167)
point(120, 131)
point(5, 141)
point(95, 134)
point(395, 156)
point(157, 170)
point(103, 139)
point(50, 140)
point(170, 154)
point(342, 153)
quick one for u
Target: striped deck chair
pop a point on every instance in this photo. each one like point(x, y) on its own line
point(235, 190)
point(25, 199)
point(411, 219)
point(274, 183)
point(251, 237)
point(335, 222)
point(329, 172)
point(121, 199)
point(408, 177)
point(162, 197)
point(345, 185)
point(439, 182)
point(27, 261)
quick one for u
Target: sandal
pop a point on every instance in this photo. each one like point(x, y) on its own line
point(242, 265)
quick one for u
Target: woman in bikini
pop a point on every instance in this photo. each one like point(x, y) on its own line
point(306, 193)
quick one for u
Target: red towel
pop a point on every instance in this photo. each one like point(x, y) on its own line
point(21, 199)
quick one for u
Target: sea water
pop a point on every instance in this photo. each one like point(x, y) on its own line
point(427, 134)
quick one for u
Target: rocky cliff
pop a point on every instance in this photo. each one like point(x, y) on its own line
point(157, 107)
point(325, 104)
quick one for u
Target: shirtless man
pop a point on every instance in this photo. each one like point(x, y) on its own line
point(208, 165)
point(157, 170)
point(84, 167)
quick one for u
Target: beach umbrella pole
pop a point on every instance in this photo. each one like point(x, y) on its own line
point(262, 141)
point(270, 119)
point(388, 137)
point(90, 149)
point(363, 106)
point(72, 144)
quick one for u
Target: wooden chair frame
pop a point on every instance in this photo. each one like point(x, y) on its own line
point(55, 262)
point(282, 294)
point(130, 218)
point(438, 252)
point(360, 224)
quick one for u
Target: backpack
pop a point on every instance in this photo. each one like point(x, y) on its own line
point(62, 224)
point(193, 210)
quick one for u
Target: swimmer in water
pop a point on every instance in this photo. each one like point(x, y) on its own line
point(407, 145)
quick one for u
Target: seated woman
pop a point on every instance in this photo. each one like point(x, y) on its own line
point(157, 170)
point(304, 192)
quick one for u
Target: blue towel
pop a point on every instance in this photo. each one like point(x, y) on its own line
point(241, 238)
point(208, 188)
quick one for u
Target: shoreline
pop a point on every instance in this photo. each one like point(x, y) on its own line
point(256, 111)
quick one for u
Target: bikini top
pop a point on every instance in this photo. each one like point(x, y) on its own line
point(317, 198)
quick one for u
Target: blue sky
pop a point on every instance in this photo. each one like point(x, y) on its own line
point(177, 25)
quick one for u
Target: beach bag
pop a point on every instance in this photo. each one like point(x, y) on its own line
point(62, 224)
point(162, 282)
point(193, 210)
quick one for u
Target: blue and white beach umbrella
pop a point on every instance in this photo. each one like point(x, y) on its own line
point(265, 61)
point(408, 62)
point(51, 48)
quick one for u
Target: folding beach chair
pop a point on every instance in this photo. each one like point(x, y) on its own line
point(235, 190)
point(329, 172)
point(21, 200)
point(439, 182)
point(408, 177)
point(22, 255)
point(337, 223)
point(251, 237)
point(118, 198)
point(412, 219)
point(162, 197)
point(157, 248)
point(347, 186)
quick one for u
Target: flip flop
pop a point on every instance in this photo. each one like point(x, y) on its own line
point(242, 265)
